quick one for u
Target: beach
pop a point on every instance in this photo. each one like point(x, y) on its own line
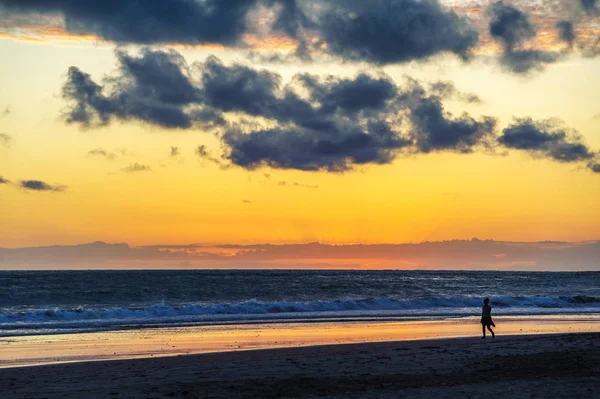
point(282, 334)
point(31, 350)
point(553, 365)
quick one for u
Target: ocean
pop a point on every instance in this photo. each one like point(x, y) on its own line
point(62, 302)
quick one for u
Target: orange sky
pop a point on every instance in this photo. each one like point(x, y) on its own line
point(507, 195)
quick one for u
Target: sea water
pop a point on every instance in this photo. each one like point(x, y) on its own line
point(55, 302)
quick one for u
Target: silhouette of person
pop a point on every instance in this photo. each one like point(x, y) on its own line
point(486, 318)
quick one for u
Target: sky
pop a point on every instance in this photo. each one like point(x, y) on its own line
point(248, 122)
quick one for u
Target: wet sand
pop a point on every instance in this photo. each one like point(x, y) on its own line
point(523, 366)
point(157, 342)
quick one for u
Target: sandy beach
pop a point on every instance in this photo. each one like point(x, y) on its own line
point(517, 366)
point(29, 350)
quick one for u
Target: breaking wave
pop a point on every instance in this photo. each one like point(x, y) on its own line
point(426, 306)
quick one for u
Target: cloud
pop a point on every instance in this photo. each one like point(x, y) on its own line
point(296, 184)
point(527, 61)
point(101, 152)
point(154, 88)
point(448, 90)
point(4, 181)
point(594, 167)
point(510, 25)
point(454, 254)
point(592, 50)
point(512, 28)
point(136, 167)
point(147, 21)
point(174, 152)
point(333, 121)
point(379, 31)
point(545, 138)
point(238, 87)
point(589, 6)
point(311, 123)
point(435, 130)
point(38, 185)
point(305, 149)
point(339, 123)
point(566, 32)
point(291, 19)
point(203, 153)
point(88, 99)
point(6, 111)
point(386, 31)
point(5, 139)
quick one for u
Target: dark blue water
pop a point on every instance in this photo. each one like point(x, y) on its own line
point(70, 301)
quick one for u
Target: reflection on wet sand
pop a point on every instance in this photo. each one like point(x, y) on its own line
point(44, 349)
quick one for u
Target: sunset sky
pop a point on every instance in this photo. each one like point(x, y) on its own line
point(294, 121)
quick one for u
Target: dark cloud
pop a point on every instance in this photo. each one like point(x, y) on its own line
point(594, 167)
point(337, 126)
point(311, 123)
point(380, 31)
point(5, 139)
point(238, 87)
point(293, 147)
point(174, 152)
point(88, 102)
point(377, 31)
point(155, 87)
point(526, 61)
point(512, 28)
point(436, 130)
point(364, 92)
point(38, 185)
point(566, 32)
point(545, 138)
point(157, 81)
point(136, 167)
point(3, 180)
point(510, 25)
point(148, 21)
point(101, 152)
point(589, 6)
point(387, 31)
point(291, 18)
point(161, 75)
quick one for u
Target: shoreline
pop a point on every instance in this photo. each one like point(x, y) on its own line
point(546, 365)
point(34, 350)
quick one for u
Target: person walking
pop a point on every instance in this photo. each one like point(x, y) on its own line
point(486, 318)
